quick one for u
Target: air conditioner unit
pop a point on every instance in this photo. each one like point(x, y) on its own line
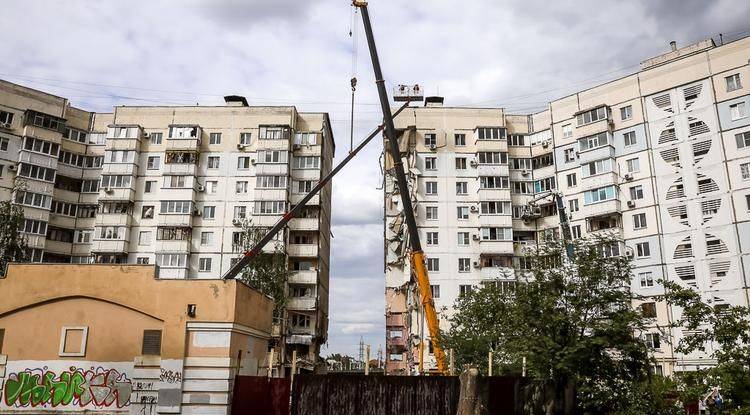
point(433, 147)
point(241, 146)
point(524, 172)
point(252, 161)
point(197, 212)
point(201, 188)
point(296, 146)
point(629, 253)
point(476, 264)
point(5, 125)
point(545, 143)
point(631, 204)
point(108, 190)
point(628, 176)
point(236, 222)
point(474, 163)
point(473, 208)
point(13, 167)
point(475, 237)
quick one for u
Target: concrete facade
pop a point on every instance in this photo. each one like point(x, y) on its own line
point(174, 186)
point(659, 158)
point(119, 339)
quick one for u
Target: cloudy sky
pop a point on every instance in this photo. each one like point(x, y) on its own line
point(517, 54)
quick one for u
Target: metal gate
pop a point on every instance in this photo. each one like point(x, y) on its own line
point(260, 395)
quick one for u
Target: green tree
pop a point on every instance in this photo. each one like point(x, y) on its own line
point(267, 272)
point(13, 247)
point(725, 326)
point(571, 320)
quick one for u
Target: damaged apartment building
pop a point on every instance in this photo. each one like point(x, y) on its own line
point(174, 186)
point(660, 158)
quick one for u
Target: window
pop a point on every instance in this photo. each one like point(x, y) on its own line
point(73, 341)
point(435, 290)
point(142, 260)
point(149, 187)
point(240, 212)
point(209, 212)
point(572, 180)
point(241, 187)
point(591, 116)
point(213, 162)
point(243, 163)
point(463, 238)
point(212, 186)
point(110, 156)
point(155, 138)
point(34, 226)
point(431, 212)
point(269, 207)
point(636, 192)
point(245, 139)
point(567, 131)
point(464, 264)
point(462, 188)
point(32, 171)
point(462, 212)
point(626, 112)
point(151, 343)
point(575, 231)
point(111, 232)
point(492, 157)
point(747, 201)
point(464, 289)
point(599, 195)
point(745, 171)
point(459, 139)
point(544, 185)
point(270, 182)
point(593, 141)
point(308, 139)
point(742, 139)
point(494, 182)
point(432, 238)
point(305, 186)
point(118, 181)
point(460, 163)
point(495, 208)
point(153, 163)
point(39, 146)
point(33, 199)
point(306, 162)
point(516, 140)
point(144, 238)
point(49, 122)
point(490, 133)
point(147, 212)
point(6, 117)
point(570, 155)
point(646, 278)
point(214, 138)
point(171, 260)
point(204, 264)
point(648, 310)
point(629, 138)
point(523, 188)
point(733, 82)
point(176, 206)
point(633, 165)
point(433, 264)
point(652, 340)
point(431, 188)
point(639, 221)
point(175, 182)
point(573, 205)
point(738, 111)
point(430, 163)
point(643, 250)
point(497, 234)
point(207, 238)
point(4, 141)
point(430, 140)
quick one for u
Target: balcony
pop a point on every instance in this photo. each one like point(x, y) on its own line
point(269, 194)
point(593, 128)
point(600, 180)
point(541, 149)
point(492, 145)
point(120, 194)
point(598, 153)
point(599, 209)
point(505, 221)
point(35, 241)
point(282, 144)
point(130, 169)
point(306, 150)
point(493, 273)
point(521, 248)
point(266, 220)
point(62, 221)
point(394, 319)
point(58, 247)
point(124, 132)
point(183, 144)
point(174, 273)
point(37, 159)
point(171, 219)
point(397, 343)
point(303, 277)
point(43, 133)
point(300, 338)
point(494, 194)
point(296, 198)
point(496, 247)
point(81, 249)
point(301, 303)
point(89, 198)
point(123, 144)
point(68, 170)
point(180, 169)
point(303, 224)
point(544, 172)
point(109, 246)
point(180, 246)
point(272, 169)
point(309, 250)
point(493, 170)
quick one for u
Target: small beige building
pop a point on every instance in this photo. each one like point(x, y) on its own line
point(118, 339)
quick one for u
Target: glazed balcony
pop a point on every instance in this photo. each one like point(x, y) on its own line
point(114, 246)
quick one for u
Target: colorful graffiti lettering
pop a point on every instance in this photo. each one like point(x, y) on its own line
point(98, 387)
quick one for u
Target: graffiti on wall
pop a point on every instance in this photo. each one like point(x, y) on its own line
point(97, 387)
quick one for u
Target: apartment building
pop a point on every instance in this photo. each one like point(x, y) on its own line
point(175, 187)
point(660, 158)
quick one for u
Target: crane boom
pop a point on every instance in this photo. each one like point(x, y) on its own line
point(564, 223)
point(256, 249)
point(417, 256)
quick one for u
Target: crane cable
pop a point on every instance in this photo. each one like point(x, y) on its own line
point(353, 81)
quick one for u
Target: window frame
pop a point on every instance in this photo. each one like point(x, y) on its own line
point(84, 340)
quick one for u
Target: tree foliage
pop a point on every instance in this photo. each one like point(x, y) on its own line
point(13, 246)
point(267, 272)
point(572, 321)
